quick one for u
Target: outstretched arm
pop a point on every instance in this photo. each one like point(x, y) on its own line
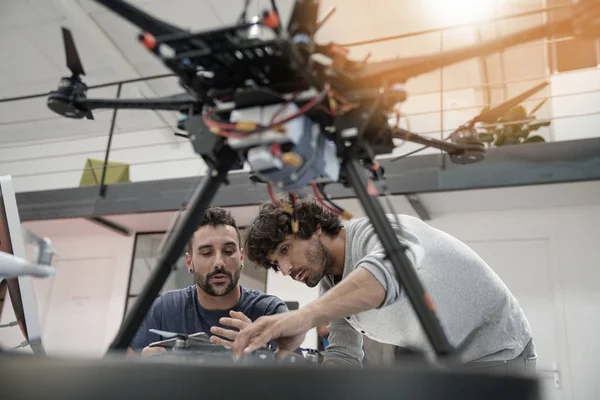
point(360, 291)
point(372, 284)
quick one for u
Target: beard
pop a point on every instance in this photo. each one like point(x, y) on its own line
point(319, 258)
point(217, 289)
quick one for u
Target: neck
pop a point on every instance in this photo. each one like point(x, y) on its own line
point(226, 302)
point(337, 249)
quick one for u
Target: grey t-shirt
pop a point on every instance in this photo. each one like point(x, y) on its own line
point(480, 316)
point(179, 311)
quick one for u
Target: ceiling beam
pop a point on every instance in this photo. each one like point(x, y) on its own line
point(125, 70)
point(111, 225)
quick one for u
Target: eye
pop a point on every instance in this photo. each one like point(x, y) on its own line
point(206, 253)
point(284, 249)
point(229, 252)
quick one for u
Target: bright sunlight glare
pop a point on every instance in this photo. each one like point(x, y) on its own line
point(451, 12)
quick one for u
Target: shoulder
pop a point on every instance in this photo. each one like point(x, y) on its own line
point(253, 295)
point(259, 303)
point(176, 298)
point(363, 223)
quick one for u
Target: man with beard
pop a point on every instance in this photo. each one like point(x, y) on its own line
point(360, 294)
point(216, 302)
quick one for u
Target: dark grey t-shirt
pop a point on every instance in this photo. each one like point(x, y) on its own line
point(179, 311)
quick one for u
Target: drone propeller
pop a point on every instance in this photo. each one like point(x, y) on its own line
point(197, 337)
point(492, 115)
point(168, 335)
point(465, 132)
point(74, 64)
point(73, 60)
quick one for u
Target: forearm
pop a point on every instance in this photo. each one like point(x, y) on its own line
point(360, 291)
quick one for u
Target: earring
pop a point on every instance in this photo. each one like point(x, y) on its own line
point(241, 266)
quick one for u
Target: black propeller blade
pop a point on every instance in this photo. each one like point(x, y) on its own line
point(492, 115)
point(73, 61)
point(488, 117)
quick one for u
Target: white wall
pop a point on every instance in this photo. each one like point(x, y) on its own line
point(82, 306)
point(549, 258)
point(288, 289)
point(153, 154)
point(578, 116)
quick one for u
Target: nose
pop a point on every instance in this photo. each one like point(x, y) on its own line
point(285, 268)
point(218, 261)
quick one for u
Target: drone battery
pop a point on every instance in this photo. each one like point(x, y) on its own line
point(317, 156)
point(291, 131)
point(261, 159)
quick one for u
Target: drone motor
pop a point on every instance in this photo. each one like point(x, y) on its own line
point(472, 148)
point(61, 100)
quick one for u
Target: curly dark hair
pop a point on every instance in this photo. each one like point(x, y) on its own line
point(273, 224)
point(215, 216)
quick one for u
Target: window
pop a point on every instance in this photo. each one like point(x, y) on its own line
point(572, 54)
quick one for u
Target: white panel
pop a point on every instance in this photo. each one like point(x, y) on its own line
point(572, 255)
point(534, 288)
point(25, 64)
point(152, 155)
point(17, 14)
point(512, 198)
point(82, 306)
point(580, 277)
point(577, 115)
point(78, 309)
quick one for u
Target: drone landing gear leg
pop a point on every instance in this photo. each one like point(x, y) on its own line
point(174, 248)
point(407, 277)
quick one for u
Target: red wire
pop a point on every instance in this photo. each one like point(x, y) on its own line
point(320, 199)
point(302, 110)
point(272, 196)
point(223, 128)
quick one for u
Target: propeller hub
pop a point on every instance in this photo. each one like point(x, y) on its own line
point(465, 134)
point(60, 100)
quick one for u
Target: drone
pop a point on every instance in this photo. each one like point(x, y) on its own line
point(299, 113)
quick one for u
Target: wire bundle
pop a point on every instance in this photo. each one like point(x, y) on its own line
point(321, 197)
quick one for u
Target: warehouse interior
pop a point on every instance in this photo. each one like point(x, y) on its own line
point(108, 193)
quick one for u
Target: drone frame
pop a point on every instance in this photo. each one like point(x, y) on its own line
point(370, 81)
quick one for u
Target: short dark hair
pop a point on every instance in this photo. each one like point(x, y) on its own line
point(215, 216)
point(273, 224)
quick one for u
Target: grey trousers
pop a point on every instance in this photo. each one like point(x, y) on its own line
point(524, 364)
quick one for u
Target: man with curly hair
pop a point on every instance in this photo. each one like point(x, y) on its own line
point(360, 294)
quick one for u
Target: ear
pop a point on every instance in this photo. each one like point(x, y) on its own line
point(318, 231)
point(188, 261)
point(241, 256)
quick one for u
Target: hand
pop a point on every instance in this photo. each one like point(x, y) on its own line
point(151, 351)
point(238, 320)
point(287, 329)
